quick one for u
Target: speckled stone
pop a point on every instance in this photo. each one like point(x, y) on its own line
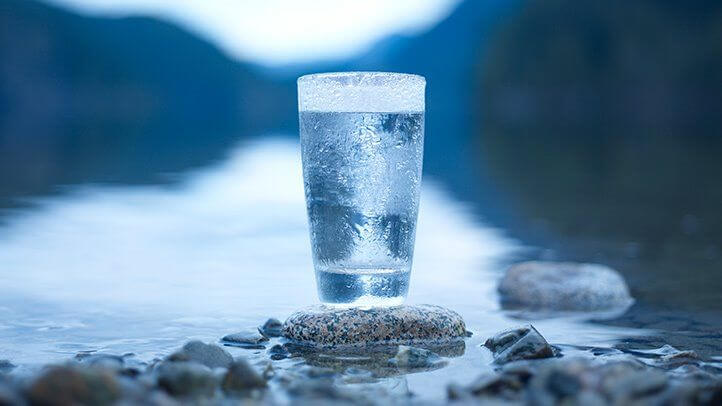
point(321, 326)
point(567, 286)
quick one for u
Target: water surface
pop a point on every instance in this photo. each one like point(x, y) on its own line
point(143, 269)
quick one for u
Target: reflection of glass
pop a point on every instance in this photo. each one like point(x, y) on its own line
point(362, 140)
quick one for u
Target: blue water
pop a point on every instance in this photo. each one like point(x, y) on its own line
point(142, 269)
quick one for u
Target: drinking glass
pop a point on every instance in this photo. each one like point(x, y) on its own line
point(362, 143)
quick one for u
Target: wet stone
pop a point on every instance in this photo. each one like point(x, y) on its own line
point(251, 339)
point(412, 358)
point(564, 286)
point(271, 328)
point(69, 385)
point(186, 379)
point(507, 386)
point(278, 352)
point(407, 325)
point(241, 378)
point(519, 343)
point(209, 355)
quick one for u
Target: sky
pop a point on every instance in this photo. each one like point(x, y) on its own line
point(278, 32)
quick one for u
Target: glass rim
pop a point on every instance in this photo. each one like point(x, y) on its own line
point(360, 74)
point(361, 91)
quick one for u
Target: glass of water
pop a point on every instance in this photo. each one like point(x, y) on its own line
point(362, 143)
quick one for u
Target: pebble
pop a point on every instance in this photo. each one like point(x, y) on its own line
point(523, 342)
point(408, 325)
point(271, 328)
point(412, 358)
point(508, 387)
point(241, 377)
point(186, 379)
point(564, 286)
point(209, 355)
point(68, 385)
point(278, 352)
point(251, 339)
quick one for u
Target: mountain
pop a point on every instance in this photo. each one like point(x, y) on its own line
point(87, 99)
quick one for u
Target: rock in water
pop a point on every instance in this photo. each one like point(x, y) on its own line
point(539, 285)
point(519, 343)
point(412, 357)
point(186, 379)
point(328, 327)
point(209, 355)
point(279, 352)
point(241, 377)
point(73, 385)
point(271, 328)
point(246, 339)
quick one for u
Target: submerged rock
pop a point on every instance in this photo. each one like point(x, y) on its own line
point(279, 352)
point(412, 357)
point(246, 339)
point(271, 328)
point(209, 355)
point(328, 327)
point(519, 343)
point(186, 379)
point(541, 285)
point(71, 385)
point(241, 377)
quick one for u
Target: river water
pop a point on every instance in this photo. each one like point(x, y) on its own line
point(143, 269)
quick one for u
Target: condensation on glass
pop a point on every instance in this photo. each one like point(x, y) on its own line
point(362, 143)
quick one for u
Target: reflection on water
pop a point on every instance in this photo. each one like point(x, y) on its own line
point(142, 269)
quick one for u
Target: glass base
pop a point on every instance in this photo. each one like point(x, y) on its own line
point(362, 287)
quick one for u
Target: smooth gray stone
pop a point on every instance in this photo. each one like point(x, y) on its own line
point(271, 328)
point(241, 377)
point(542, 285)
point(246, 339)
point(209, 355)
point(278, 352)
point(74, 385)
point(322, 326)
point(519, 343)
point(186, 379)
